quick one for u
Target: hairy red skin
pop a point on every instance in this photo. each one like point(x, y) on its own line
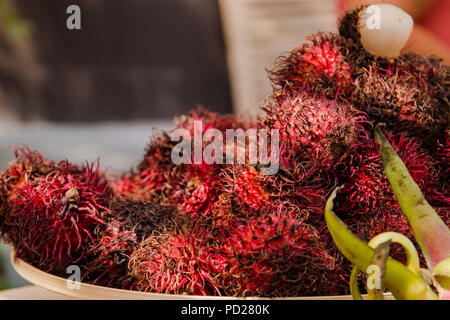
point(211, 120)
point(52, 218)
point(318, 129)
point(317, 65)
point(147, 182)
point(368, 197)
point(406, 100)
point(128, 224)
point(175, 262)
point(108, 267)
point(192, 189)
point(296, 191)
point(27, 166)
point(235, 231)
point(247, 185)
point(273, 255)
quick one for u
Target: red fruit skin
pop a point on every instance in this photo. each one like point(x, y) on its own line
point(108, 260)
point(367, 202)
point(409, 93)
point(320, 130)
point(247, 186)
point(147, 182)
point(175, 262)
point(52, 218)
point(443, 162)
point(404, 98)
point(212, 120)
point(27, 166)
point(194, 189)
point(247, 193)
point(128, 224)
point(191, 189)
point(317, 65)
point(274, 255)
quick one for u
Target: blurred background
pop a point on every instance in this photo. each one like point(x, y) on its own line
point(97, 92)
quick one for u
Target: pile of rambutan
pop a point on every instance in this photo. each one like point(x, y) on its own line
point(205, 228)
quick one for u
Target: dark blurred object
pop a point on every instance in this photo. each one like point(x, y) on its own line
point(135, 59)
point(19, 74)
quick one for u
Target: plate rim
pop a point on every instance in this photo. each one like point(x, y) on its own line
point(88, 291)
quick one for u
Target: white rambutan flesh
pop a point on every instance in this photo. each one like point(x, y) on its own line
point(384, 29)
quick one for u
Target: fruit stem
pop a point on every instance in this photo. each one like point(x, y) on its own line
point(402, 282)
point(430, 231)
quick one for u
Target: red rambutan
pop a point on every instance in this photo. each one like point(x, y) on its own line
point(401, 98)
point(53, 217)
point(317, 129)
point(246, 184)
point(274, 255)
point(211, 120)
point(317, 65)
point(107, 262)
point(129, 223)
point(27, 166)
point(175, 262)
point(246, 192)
point(193, 189)
point(151, 176)
point(368, 195)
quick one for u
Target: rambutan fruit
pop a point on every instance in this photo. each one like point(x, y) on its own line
point(402, 99)
point(150, 178)
point(107, 260)
point(436, 73)
point(294, 191)
point(27, 166)
point(211, 120)
point(317, 65)
point(190, 187)
point(177, 261)
point(318, 129)
point(365, 46)
point(128, 224)
point(274, 255)
point(193, 189)
point(140, 217)
point(247, 185)
point(52, 218)
point(407, 92)
point(368, 195)
point(349, 29)
point(243, 193)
